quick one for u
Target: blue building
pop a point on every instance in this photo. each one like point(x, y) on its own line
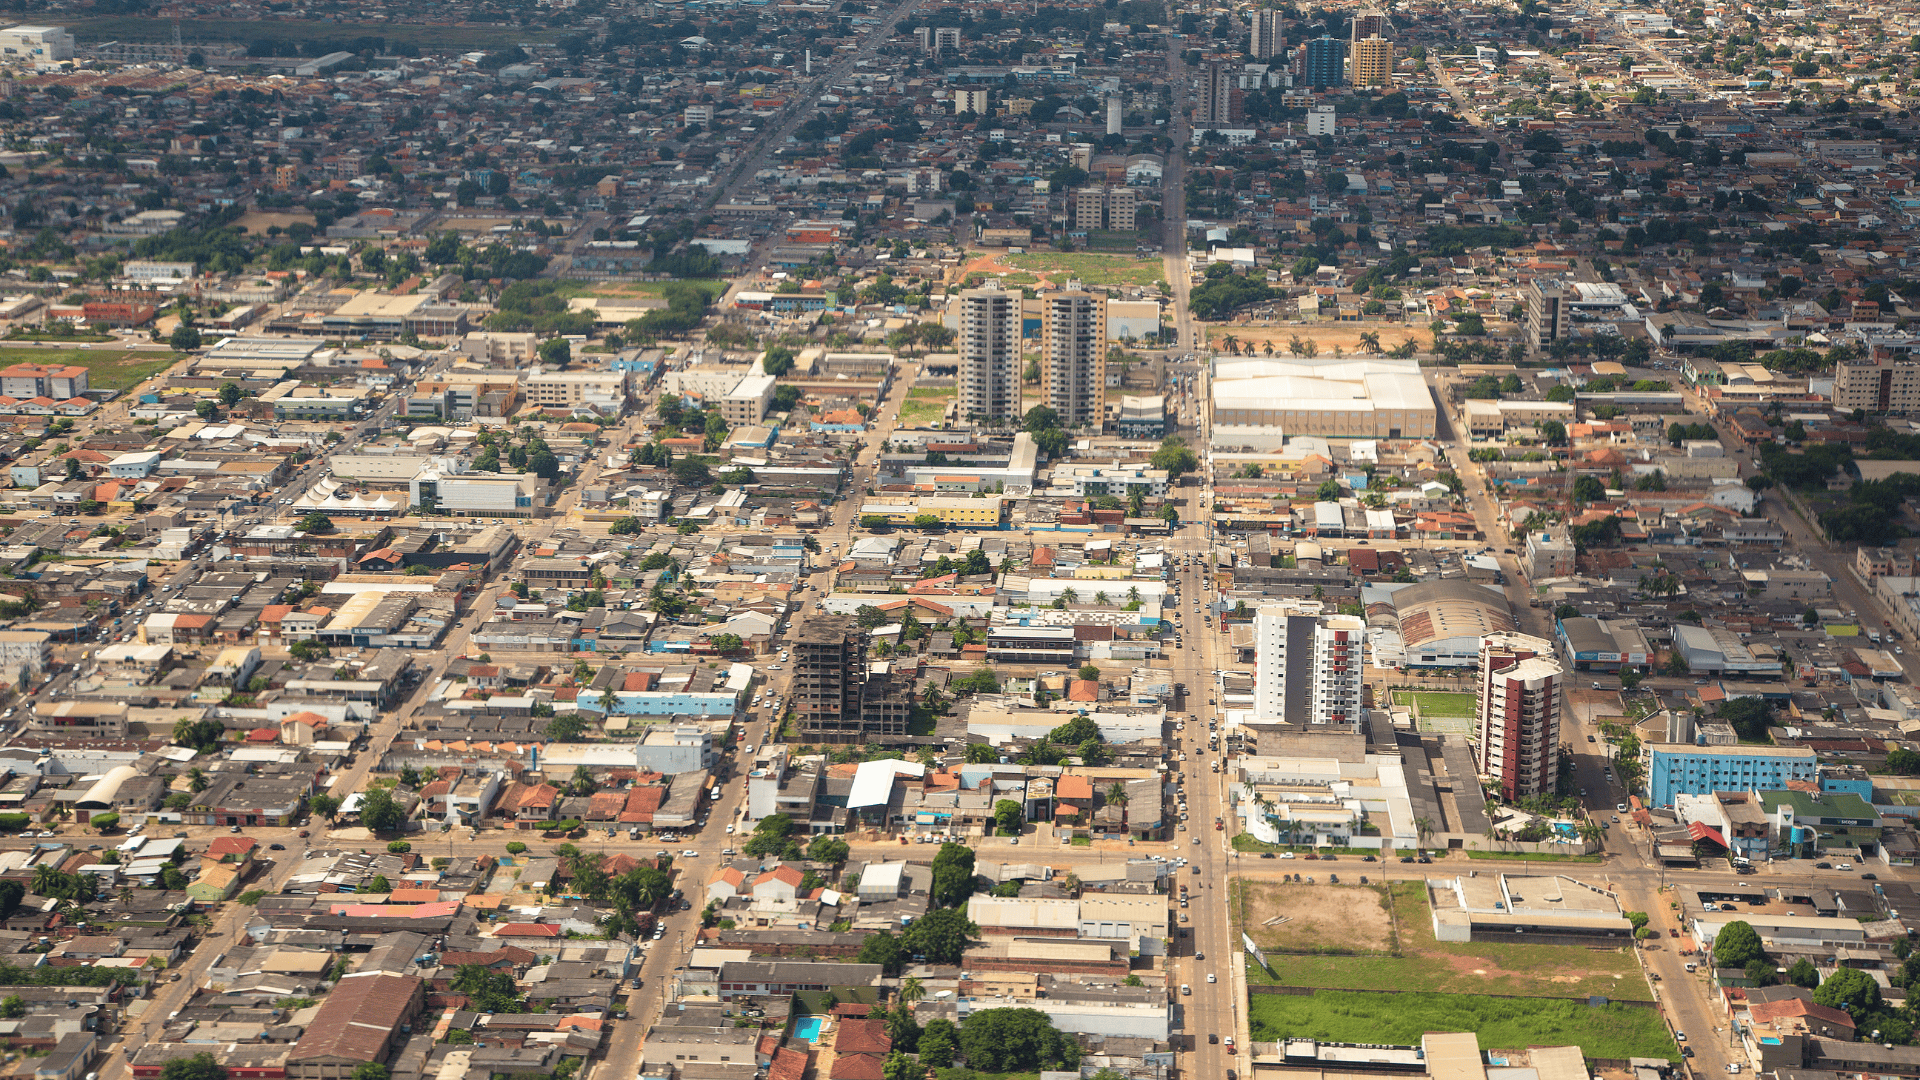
point(1684, 769)
point(1326, 62)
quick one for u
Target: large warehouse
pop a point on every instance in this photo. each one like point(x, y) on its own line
point(1433, 623)
point(1258, 402)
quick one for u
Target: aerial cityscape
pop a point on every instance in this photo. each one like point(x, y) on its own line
point(974, 540)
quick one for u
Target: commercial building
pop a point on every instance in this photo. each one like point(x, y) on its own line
point(1610, 645)
point(41, 46)
point(572, 389)
point(1372, 62)
point(747, 403)
point(1684, 769)
point(1520, 685)
point(1073, 356)
point(1307, 664)
point(1261, 402)
point(1322, 120)
point(1715, 649)
point(1269, 34)
point(988, 512)
point(474, 493)
point(1441, 623)
point(364, 1019)
point(1324, 62)
point(1547, 309)
point(32, 648)
point(989, 345)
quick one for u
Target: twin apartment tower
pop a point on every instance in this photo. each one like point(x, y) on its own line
point(1073, 355)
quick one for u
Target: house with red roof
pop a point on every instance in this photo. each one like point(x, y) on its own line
point(780, 884)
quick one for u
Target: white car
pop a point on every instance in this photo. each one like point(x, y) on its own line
point(689, 854)
point(1286, 854)
point(1211, 978)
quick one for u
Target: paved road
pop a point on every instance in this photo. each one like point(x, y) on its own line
point(1173, 207)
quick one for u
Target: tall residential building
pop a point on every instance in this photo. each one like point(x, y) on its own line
point(1308, 664)
point(1112, 206)
point(1218, 99)
point(837, 696)
point(1324, 62)
point(1371, 24)
point(1547, 312)
point(977, 102)
point(1887, 385)
point(1268, 36)
point(1373, 62)
point(937, 40)
point(989, 353)
point(1073, 356)
point(1116, 117)
point(1519, 714)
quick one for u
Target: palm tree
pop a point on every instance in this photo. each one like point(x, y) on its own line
point(1117, 794)
point(1070, 595)
point(1133, 593)
point(1100, 598)
point(1267, 348)
point(44, 878)
point(1422, 829)
point(1370, 341)
point(911, 990)
point(1231, 344)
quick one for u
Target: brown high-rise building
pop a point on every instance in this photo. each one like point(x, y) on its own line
point(1520, 714)
point(1371, 24)
point(1073, 356)
point(836, 698)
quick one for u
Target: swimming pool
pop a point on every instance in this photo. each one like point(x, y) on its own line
point(808, 1028)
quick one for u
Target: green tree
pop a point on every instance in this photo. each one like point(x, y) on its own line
point(184, 339)
point(952, 875)
point(487, 991)
point(104, 823)
point(200, 1066)
point(1175, 457)
point(1903, 761)
point(1737, 945)
point(229, 394)
point(1803, 974)
point(371, 1070)
point(12, 1008)
point(1008, 817)
point(1015, 1040)
point(1850, 989)
point(317, 524)
point(828, 849)
point(380, 812)
point(941, 936)
point(1589, 489)
point(882, 948)
point(568, 728)
point(939, 1041)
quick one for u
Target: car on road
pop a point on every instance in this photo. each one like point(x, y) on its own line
point(276, 847)
point(1185, 990)
point(1211, 978)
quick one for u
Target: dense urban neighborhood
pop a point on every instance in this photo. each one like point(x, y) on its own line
point(865, 541)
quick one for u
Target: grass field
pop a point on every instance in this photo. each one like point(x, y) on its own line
point(1091, 268)
point(1437, 703)
point(259, 221)
point(925, 405)
point(647, 290)
point(1475, 967)
point(107, 368)
point(1611, 1031)
point(1313, 918)
point(244, 32)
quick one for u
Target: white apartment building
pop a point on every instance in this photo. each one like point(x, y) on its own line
point(1308, 664)
point(1073, 356)
point(989, 344)
point(748, 401)
point(146, 271)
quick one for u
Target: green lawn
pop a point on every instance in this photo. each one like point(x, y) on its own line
point(1475, 967)
point(1092, 268)
point(110, 369)
point(1611, 1031)
point(630, 290)
point(925, 405)
point(1438, 702)
point(237, 31)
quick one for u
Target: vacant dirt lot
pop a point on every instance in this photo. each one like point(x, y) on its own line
point(1316, 918)
point(1253, 338)
point(259, 221)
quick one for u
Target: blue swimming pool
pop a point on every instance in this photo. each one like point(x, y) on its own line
point(808, 1028)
